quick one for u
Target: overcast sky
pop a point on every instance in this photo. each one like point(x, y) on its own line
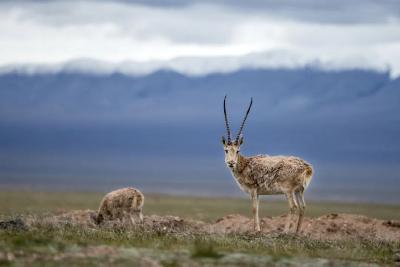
point(203, 36)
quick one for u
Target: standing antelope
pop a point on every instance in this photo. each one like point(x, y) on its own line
point(267, 175)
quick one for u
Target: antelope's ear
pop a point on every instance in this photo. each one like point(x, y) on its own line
point(223, 140)
point(241, 140)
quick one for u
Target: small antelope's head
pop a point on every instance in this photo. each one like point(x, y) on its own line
point(232, 149)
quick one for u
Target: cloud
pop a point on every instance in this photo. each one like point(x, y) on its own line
point(191, 36)
point(340, 11)
point(203, 65)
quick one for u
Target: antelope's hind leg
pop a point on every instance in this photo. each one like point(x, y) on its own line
point(302, 206)
point(292, 210)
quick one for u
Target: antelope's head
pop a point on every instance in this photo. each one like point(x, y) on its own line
point(232, 149)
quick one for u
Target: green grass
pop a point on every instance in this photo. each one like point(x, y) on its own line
point(67, 244)
point(46, 242)
point(199, 208)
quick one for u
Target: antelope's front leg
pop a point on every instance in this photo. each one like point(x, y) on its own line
point(254, 198)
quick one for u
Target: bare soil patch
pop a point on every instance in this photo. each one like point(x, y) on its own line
point(327, 227)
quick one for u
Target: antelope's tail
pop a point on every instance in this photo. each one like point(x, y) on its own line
point(308, 173)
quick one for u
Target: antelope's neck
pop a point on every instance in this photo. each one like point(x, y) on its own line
point(241, 164)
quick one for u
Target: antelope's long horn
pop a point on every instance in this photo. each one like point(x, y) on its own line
point(244, 120)
point(227, 123)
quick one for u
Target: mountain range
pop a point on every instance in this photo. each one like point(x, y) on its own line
point(161, 131)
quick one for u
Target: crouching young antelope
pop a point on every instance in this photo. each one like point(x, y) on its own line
point(267, 175)
point(121, 204)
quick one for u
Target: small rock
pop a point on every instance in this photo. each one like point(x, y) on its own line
point(392, 223)
point(6, 256)
point(332, 216)
point(396, 257)
point(14, 225)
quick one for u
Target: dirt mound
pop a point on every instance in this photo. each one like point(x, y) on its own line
point(332, 226)
point(86, 218)
point(236, 223)
point(171, 224)
point(76, 217)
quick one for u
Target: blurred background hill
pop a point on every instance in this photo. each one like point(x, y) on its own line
point(161, 131)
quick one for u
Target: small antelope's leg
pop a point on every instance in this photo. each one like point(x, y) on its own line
point(115, 216)
point(255, 199)
point(123, 217)
point(292, 210)
point(132, 220)
point(302, 207)
point(141, 217)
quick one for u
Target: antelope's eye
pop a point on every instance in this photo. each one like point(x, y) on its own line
point(237, 152)
point(226, 151)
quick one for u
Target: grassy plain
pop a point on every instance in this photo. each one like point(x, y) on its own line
point(66, 244)
point(198, 208)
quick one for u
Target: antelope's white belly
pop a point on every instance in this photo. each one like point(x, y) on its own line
point(263, 189)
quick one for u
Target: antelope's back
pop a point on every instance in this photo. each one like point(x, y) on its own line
point(123, 198)
point(276, 168)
